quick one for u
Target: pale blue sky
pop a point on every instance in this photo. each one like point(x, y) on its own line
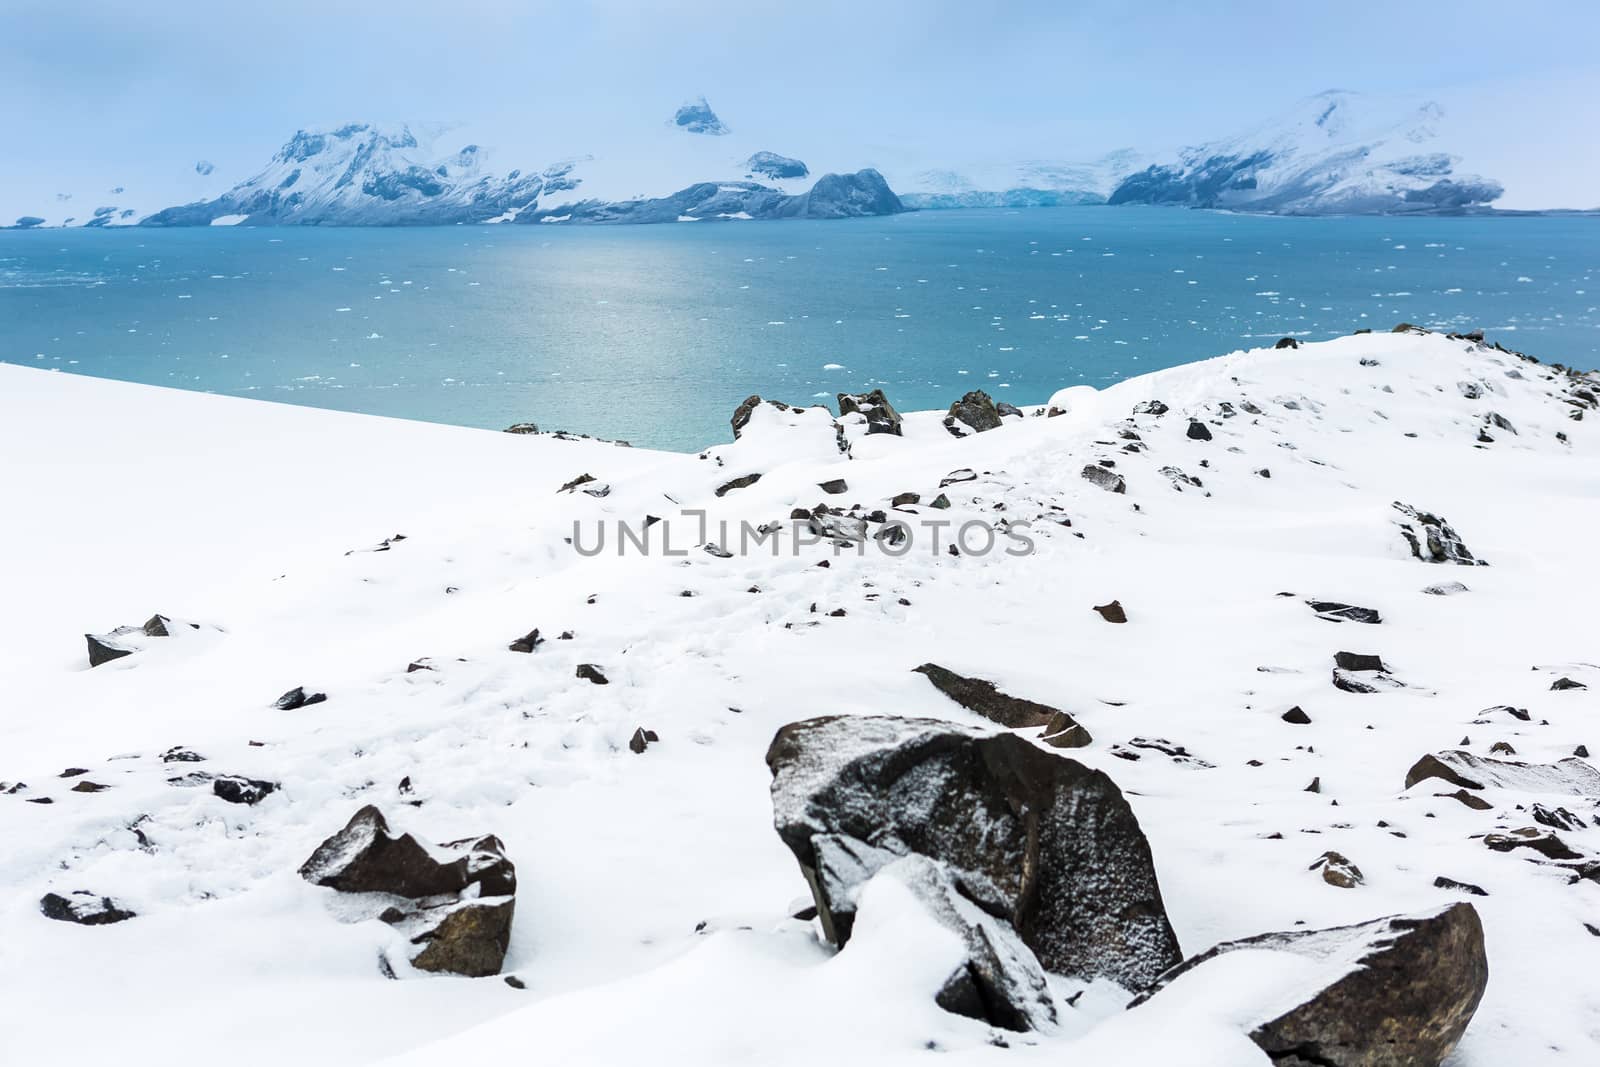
point(87, 81)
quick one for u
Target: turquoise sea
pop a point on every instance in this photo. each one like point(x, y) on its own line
point(655, 333)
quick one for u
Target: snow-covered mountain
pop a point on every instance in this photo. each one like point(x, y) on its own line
point(1334, 153)
point(373, 175)
point(1337, 152)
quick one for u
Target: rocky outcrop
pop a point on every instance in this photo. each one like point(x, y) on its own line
point(298, 698)
point(1028, 836)
point(1431, 538)
point(126, 640)
point(463, 892)
point(875, 408)
point(1393, 992)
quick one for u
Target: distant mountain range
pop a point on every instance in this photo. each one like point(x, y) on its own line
point(1335, 153)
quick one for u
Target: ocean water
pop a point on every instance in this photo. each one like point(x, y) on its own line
point(655, 333)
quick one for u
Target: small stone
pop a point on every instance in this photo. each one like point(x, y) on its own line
point(527, 642)
point(1315, 786)
point(743, 482)
point(641, 740)
point(236, 789)
point(1198, 431)
point(1337, 870)
point(1104, 479)
point(590, 672)
point(834, 486)
point(1563, 684)
point(903, 499)
point(298, 698)
point(1442, 882)
point(1297, 716)
point(1112, 612)
point(87, 786)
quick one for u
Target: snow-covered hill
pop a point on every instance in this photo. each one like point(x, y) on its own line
point(654, 897)
point(1334, 153)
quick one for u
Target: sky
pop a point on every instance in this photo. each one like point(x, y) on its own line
point(102, 87)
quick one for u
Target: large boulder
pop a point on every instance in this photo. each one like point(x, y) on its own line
point(1000, 980)
point(875, 408)
point(973, 413)
point(462, 893)
point(1029, 836)
point(1393, 992)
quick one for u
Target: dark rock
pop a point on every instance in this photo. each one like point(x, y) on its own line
point(515, 983)
point(1393, 992)
point(582, 479)
point(1287, 342)
point(1150, 407)
point(87, 786)
point(1000, 981)
point(1112, 612)
point(834, 486)
point(522, 427)
point(1337, 870)
point(1582, 751)
point(468, 938)
point(973, 413)
point(955, 477)
point(1062, 731)
point(902, 499)
point(1004, 409)
point(1442, 882)
point(1176, 753)
point(1333, 611)
point(156, 626)
point(73, 772)
point(1431, 538)
point(103, 649)
point(641, 740)
point(1315, 786)
point(1562, 684)
point(941, 502)
point(1557, 818)
point(365, 857)
point(1502, 748)
point(880, 414)
point(1358, 661)
point(1500, 422)
point(982, 698)
point(179, 754)
point(298, 698)
point(1198, 431)
point(1104, 479)
point(1471, 800)
point(1364, 681)
point(1571, 775)
point(1028, 835)
point(591, 672)
point(1297, 716)
point(527, 642)
point(84, 908)
point(1544, 842)
point(236, 789)
point(743, 482)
